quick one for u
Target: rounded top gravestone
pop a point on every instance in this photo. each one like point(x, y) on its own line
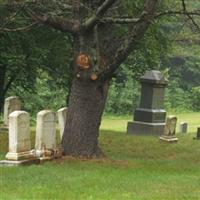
point(45, 141)
point(12, 104)
point(18, 113)
point(19, 136)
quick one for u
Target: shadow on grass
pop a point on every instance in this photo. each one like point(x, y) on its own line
point(119, 146)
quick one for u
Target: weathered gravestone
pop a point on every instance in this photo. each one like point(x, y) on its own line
point(149, 118)
point(62, 116)
point(183, 127)
point(11, 104)
point(19, 140)
point(198, 133)
point(170, 130)
point(45, 144)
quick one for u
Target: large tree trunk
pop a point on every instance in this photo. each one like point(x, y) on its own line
point(87, 98)
point(86, 105)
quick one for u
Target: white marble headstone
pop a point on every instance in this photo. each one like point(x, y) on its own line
point(11, 104)
point(45, 133)
point(19, 136)
point(62, 116)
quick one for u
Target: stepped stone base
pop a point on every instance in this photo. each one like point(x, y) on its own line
point(150, 115)
point(20, 156)
point(169, 138)
point(143, 128)
point(10, 163)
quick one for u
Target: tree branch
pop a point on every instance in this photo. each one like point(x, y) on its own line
point(58, 23)
point(92, 21)
point(189, 14)
point(194, 22)
point(25, 28)
point(120, 20)
point(180, 12)
point(132, 39)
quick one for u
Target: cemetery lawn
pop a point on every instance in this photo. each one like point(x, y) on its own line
point(136, 168)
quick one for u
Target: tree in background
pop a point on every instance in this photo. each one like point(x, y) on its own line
point(53, 72)
point(104, 33)
point(25, 54)
point(16, 61)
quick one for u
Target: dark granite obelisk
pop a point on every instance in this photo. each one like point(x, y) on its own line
point(149, 118)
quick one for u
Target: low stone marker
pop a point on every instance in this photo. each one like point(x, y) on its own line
point(19, 140)
point(198, 133)
point(62, 116)
point(183, 127)
point(170, 130)
point(45, 144)
point(11, 104)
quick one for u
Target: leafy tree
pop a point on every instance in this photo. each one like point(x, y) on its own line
point(183, 62)
point(195, 98)
point(104, 33)
point(24, 53)
point(15, 63)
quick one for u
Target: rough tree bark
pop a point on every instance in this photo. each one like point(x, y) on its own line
point(87, 98)
point(86, 105)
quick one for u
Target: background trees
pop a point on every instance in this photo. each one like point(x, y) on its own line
point(171, 44)
point(103, 35)
point(27, 55)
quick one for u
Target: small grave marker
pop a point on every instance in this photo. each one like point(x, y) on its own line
point(170, 130)
point(183, 128)
point(11, 104)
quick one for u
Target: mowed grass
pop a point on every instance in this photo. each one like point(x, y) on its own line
point(136, 167)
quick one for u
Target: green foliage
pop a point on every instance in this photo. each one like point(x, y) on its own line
point(123, 93)
point(46, 95)
point(40, 59)
point(40, 64)
point(176, 98)
point(18, 58)
point(195, 98)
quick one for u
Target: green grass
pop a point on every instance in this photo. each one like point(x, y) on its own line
point(136, 168)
